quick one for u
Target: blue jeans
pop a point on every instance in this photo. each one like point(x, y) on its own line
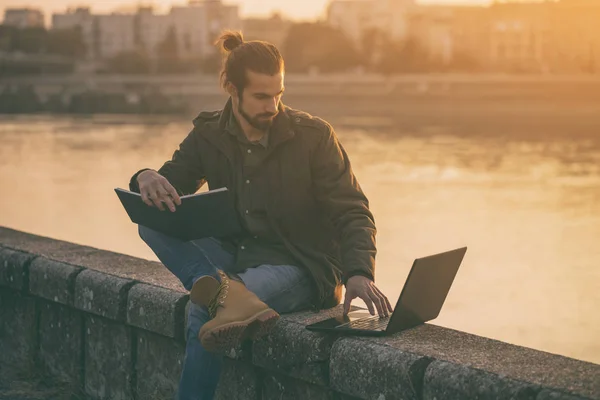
point(284, 288)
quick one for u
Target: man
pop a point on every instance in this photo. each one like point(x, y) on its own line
point(308, 228)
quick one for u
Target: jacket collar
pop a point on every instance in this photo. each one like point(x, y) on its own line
point(281, 131)
point(282, 127)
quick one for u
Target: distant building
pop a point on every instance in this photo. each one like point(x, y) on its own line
point(23, 18)
point(273, 29)
point(561, 37)
point(355, 17)
point(151, 29)
point(431, 28)
point(552, 37)
point(196, 27)
point(115, 34)
point(199, 24)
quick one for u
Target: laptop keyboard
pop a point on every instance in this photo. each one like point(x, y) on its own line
point(374, 323)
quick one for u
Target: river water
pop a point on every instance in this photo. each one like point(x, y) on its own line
point(527, 206)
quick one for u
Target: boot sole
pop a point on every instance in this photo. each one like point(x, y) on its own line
point(228, 336)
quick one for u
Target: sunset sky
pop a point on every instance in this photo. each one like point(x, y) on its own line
point(296, 9)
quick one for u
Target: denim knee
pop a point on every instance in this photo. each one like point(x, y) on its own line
point(145, 232)
point(154, 239)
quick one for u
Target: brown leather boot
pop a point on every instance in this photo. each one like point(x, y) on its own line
point(236, 313)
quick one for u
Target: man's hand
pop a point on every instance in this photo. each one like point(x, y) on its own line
point(156, 190)
point(360, 286)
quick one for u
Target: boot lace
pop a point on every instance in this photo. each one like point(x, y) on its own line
point(219, 298)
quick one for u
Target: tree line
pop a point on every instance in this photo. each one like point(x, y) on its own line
point(60, 42)
point(308, 47)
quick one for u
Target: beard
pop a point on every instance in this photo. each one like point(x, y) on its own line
point(262, 122)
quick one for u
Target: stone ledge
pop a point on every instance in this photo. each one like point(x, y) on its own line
point(553, 395)
point(102, 294)
point(444, 380)
point(296, 351)
point(368, 370)
point(240, 380)
point(18, 334)
point(53, 280)
point(14, 269)
point(158, 365)
point(281, 387)
point(426, 362)
point(34, 389)
point(111, 263)
point(60, 342)
point(157, 309)
point(108, 359)
point(546, 370)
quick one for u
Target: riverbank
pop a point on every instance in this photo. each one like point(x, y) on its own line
point(329, 96)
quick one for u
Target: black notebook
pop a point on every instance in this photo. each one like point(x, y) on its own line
point(200, 215)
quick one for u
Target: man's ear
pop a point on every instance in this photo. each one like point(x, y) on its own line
point(231, 90)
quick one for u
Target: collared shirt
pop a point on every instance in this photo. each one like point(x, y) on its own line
point(261, 244)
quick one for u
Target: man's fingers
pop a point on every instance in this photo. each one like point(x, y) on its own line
point(389, 305)
point(160, 193)
point(387, 302)
point(169, 203)
point(384, 304)
point(154, 196)
point(375, 298)
point(146, 199)
point(173, 193)
point(158, 204)
point(347, 302)
point(164, 197)
point(369, 303)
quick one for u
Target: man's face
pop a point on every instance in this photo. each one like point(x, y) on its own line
point(259, 101)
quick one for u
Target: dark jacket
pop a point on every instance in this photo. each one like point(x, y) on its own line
point(314, 201)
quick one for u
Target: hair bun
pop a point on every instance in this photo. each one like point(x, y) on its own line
point(231, 40)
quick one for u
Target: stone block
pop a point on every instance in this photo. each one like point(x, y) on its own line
point(243, 352)
point(52, 280)
point(61, 343)
point(14, 269)
point(102, 294)
point(108, 359)
point(370, 370)
point(293, 350)
point(35, 389)
point(444, 380)
point(158, 366)
point(18, 334)
point(553, 395)
point(518, 363)
point(133, 268)
point(239, 380)
point(157, 310)
point(280, 387)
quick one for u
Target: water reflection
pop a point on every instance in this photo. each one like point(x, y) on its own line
point(526, 204)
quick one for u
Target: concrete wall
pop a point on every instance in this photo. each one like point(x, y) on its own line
point(109, 326)
point(409, 102)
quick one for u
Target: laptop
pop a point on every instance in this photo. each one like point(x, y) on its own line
point(200, 215)
point(421, 299)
